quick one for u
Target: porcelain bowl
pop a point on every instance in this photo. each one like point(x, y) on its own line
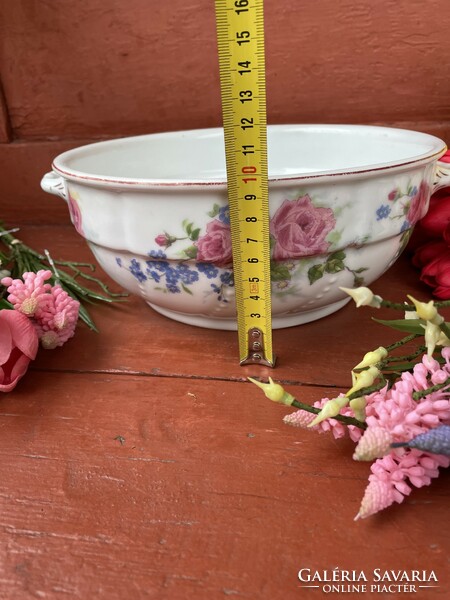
point(343, 202)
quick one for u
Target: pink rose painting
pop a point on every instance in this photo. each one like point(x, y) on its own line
point(300, 229)
point(215, 245)
point(418, 206)
point(75, 213)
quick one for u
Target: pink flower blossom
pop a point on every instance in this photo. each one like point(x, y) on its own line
point(375, 442)
point(392, 477)
point(215, 245)
point(52, 311)
point(56, 324)
point(393, 416)
point(403, 418)
point(30, 295)
point(300, 229)
point(18, 346)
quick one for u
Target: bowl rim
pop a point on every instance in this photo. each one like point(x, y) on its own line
point(61, 167)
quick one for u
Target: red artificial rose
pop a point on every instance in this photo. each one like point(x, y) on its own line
point(437, 218)
point(432, 248)
point(18, 346)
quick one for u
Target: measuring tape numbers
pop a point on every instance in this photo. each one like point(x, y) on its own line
point(240, 32)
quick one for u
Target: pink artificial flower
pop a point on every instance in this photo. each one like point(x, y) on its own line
point(299, 229)
point(56, 324)
point(215, 245)
point(30, 295)
point(376, 441)
point(53, 312)
point(393, 416)
point(402, 418)
point(18, 346)
point(393, 475)
point(302, 418)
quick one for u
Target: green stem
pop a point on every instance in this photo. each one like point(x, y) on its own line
point(340, 418)
point(410, 307)
point(435, 388)
point(402, 342)
point(408, 357)
point(368, 390)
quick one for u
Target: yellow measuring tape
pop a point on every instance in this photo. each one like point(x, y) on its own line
point(240, 32)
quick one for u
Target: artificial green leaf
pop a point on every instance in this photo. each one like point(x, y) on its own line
point(407, 325)
point(5, 304)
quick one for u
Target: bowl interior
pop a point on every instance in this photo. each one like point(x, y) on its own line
point(293, 151)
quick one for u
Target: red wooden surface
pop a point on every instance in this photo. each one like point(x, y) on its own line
point(139, 463)
point(88, 69)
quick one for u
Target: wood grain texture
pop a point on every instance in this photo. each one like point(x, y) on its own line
point(5, 125)
point(207, 495)
point(86, 70)
point(139, 464)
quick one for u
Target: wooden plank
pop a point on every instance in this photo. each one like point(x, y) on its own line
point(5, 125)
point(208, 495)
point(135, 339)
point(22, 167)
point(133, 69)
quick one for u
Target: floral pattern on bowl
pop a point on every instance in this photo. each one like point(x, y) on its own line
point(304, 239)
point(410, 205)
point(74, 211)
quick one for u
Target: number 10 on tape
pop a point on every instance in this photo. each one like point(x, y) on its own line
point(240, 32)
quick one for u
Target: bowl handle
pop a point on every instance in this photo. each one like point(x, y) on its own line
point(54, 184)
point(442, 176)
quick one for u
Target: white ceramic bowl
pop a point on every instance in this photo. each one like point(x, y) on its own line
point(343, 202)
